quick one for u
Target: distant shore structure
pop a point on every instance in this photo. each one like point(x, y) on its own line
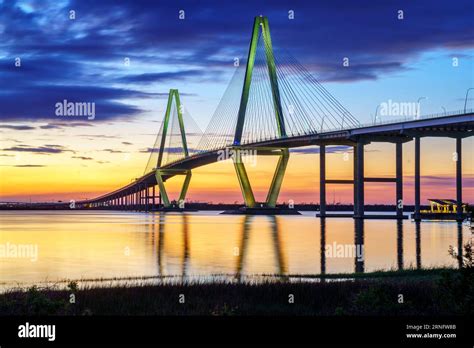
point(445, 209)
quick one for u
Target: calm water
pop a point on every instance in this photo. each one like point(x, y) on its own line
point(105, 244)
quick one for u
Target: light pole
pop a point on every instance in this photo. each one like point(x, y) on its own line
point(418, 102)
point(444, 109)
point(376, 110)
point(465, 101)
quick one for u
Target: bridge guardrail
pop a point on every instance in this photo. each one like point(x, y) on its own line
point(362, 125)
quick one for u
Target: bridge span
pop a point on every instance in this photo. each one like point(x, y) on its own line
point(141, 194)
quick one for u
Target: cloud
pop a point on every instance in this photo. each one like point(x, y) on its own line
point(441, 180)
point(29, 165)
point(98, 136)
point(166, 150)
point(42, 100)
point(112, 151)
point(43, 150)
point(18, 127)
point(83, 158)
point(162, 76)
point(61, 125)
point(83, 59)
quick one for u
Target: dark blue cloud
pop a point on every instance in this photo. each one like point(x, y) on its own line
point(83, 59)
point(161, 77)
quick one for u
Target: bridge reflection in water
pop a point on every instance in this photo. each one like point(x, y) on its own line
point(248, 260)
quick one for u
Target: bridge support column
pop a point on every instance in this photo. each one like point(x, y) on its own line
point(135, 199)
point(147, 197)
point(153, 200)
point(359, 180)
point(138, 199)
point(322, 180)
point(277, 180)
point(354, 175)
point(275, 186)
point(244, 183)
point(400, 244)
point(359, 245)
point(161, 184)
point(459, 179)
point(399, 178)
point(417, 179)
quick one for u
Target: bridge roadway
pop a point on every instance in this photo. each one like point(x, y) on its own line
point(454, 126)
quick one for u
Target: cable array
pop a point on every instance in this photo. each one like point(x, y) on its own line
point(306, 108)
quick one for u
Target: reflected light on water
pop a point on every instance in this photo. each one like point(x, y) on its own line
point(104, 244)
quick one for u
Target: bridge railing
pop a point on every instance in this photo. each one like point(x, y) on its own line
point(417, 118)
point(362, 125)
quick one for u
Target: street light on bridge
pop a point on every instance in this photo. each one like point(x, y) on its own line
point(376, 111)
point(418, 102)
point(465, 101)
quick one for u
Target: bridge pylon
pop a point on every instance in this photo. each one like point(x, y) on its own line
point(275, 186)
point(260, 24)
point(162, 173)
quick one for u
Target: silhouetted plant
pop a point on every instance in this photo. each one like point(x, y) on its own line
point(456, 289)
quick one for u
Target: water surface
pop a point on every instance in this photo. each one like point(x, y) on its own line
point(107, 244)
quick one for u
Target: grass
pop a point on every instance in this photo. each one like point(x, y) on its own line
point(436, 291)
point(425, 292)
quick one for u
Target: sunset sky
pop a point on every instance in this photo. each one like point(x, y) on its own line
point(44, 157)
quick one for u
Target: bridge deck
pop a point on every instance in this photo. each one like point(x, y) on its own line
point(458, 125)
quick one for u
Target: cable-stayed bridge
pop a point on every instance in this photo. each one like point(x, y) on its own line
point(273, 104)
